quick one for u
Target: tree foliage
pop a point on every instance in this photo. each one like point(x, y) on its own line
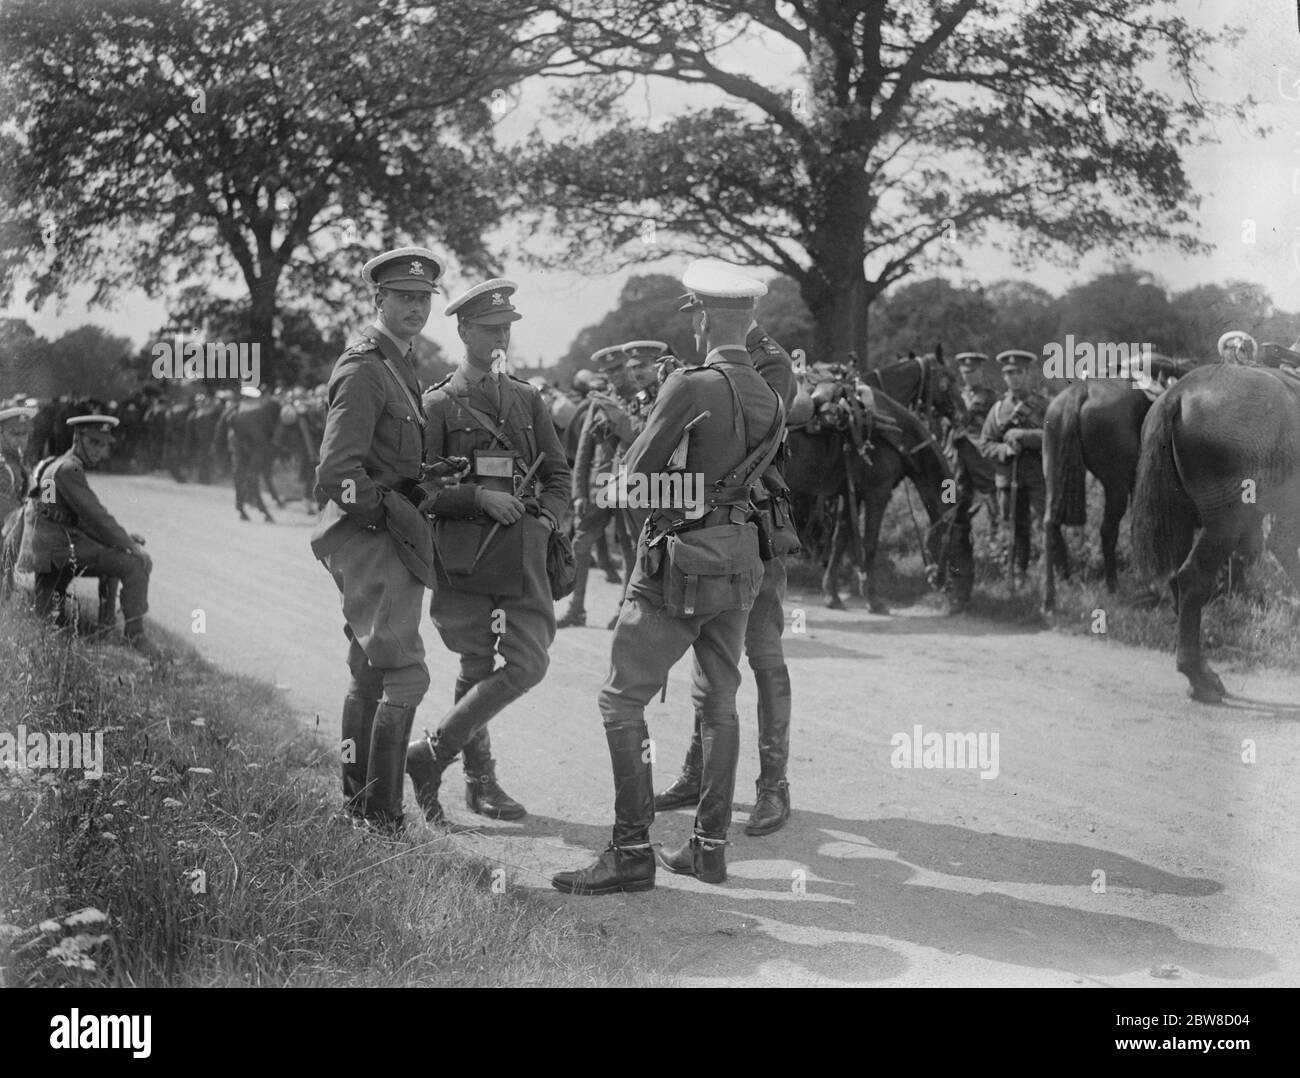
point(912, 128)
point(157, 143)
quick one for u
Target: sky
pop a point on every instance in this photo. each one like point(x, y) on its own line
point(1242, 178)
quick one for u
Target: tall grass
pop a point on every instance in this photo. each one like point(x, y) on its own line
point(211, 853)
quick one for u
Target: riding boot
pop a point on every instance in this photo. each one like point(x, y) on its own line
point(704, 855)
point(483, 794)
point(358, 718)
point(389, 735)
point(628, 862)
point(772, 803)
point(426, 759)
point(685, 790)
point(576, 615)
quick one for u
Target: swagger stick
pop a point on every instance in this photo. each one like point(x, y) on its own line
point(496, 527)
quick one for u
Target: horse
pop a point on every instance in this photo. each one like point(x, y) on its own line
point(841, 455)
point(924, 384)
point(1220, 451)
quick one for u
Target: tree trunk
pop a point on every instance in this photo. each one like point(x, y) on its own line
point(839, 313)
point(261, 318)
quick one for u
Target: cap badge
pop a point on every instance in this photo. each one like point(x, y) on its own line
point(417, 268)
point(497, 299)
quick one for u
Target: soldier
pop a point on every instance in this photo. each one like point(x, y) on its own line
point(64, 525)
point(370, 464)
point(608, 429)
point(493, 595)
point(974, 476)
point(725, 421)
point(763, 649)
point(249, 431)
point(1012, 437)
point(15, 429)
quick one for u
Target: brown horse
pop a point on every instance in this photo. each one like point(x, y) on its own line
point(924, 384)
point(840, 459)
point(1220, 451)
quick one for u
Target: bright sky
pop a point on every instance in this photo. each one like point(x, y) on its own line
point(1242, 178)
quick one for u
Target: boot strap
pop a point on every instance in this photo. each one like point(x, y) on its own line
point(710, 843)
point(638, 846)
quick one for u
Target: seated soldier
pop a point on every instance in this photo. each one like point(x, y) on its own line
point(65, 525)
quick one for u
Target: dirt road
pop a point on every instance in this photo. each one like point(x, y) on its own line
point(886, 875)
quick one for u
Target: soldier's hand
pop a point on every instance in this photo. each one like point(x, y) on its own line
point(502, 507)
point(579, 507)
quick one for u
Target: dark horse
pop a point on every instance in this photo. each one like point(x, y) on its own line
point(840, 456)
point(1220, 451)
point(922, 383)
point(1094, 424)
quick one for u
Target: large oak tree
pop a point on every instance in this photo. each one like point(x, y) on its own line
point(912, 124)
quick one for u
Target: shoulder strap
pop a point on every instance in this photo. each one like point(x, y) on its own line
point(754, 465)
point(406, 392)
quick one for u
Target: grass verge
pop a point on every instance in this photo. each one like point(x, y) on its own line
point(208, 854)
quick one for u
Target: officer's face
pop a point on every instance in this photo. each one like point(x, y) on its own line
point(483, 343)
point(1017, 380)
point(14, 435)
point(95, 448)
point(642, 374)
point(404, 314)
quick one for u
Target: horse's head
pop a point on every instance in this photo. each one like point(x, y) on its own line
point(942, 390)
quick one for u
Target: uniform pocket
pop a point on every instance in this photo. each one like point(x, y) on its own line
point(401, 430)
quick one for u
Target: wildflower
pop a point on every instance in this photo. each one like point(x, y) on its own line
point(171, 803)
point(108, 836)
point(199, 721)
point(200, 771)
point(49, 926)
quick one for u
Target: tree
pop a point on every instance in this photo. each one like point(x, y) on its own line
point(160, 141)
point(646, 309)
point(783, 314)
point(916, 316)
point(1124, 305)
point(919, 124)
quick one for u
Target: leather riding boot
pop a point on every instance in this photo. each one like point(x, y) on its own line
point(576, 615)
point(476, 709)
point(685, 790)
point(628, 862)
point(358, 718)
point(388, 739)
point(483, 794)
point(772, 803)
point(704, 855)
point(426, 759)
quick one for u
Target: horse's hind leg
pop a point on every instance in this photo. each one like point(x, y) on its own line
point(838, 544)
point(1195, 583)
point(1116, 503)
point(1284, 542)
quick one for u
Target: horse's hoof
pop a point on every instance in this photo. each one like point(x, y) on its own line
point(834, 602)
point(1205, 695)
point(877, 607)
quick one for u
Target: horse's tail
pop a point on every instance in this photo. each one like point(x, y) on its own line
point(1164, 517)
point(1067, 487)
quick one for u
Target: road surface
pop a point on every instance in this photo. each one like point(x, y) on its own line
point(1124, 840)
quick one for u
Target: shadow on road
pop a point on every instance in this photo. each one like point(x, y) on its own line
point(820, 895)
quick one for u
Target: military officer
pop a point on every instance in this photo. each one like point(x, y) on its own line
point(493, 596)
point(249, 432)
point(370, 465)
point(732, 413)
point(608, 429)
point(974, 476)
point(64, 524)
point(1012, 437)
point(763, 650)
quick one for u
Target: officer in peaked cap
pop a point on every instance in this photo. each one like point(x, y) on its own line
point(493, 596)
point(719, 417)
point(974, 476)
point(1012, 437)
point(370, 535)
point(65, 524)
point(610, 423)
point(763, 647)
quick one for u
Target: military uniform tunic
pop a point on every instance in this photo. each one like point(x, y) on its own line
point(65, 524)
point(465, 619)
point(647, 641)
point(1023, 469)
point(372, 443)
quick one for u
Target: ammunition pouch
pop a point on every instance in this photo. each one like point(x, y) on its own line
point(777, 535)
point(561, 565)
point(711, 570)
